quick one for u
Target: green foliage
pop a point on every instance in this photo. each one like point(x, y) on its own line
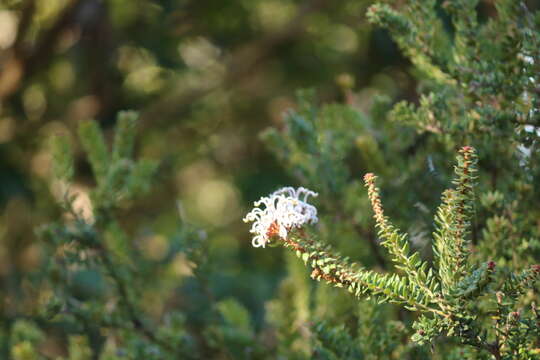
point(118, 177)
point(451, 244)
point(25, 337)
point(94, 144)
point(317, 142)
point(94, 268)
point(139, 259)
point(79, 348)
point(125, 135)
point(453, 309)
point(463, 101)
point(290, 313)
point(63, 158)
point(334, 343)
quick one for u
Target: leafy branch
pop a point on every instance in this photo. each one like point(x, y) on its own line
point(446, 297)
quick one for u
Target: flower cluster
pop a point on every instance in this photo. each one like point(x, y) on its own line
point(285, 209)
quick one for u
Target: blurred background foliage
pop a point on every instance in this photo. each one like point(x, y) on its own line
point(208, 77)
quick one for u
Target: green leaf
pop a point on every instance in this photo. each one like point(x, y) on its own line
point(124, 135)
point(94, 144)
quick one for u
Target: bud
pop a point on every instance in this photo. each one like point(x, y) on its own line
point(316, 273)
point(514, 317)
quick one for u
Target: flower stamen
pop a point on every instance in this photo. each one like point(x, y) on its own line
point(283, 210)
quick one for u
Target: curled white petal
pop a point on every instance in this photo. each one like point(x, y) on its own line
point(257, 241)
point(278, 213)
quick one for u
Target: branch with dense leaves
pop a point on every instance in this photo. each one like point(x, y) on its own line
point(446, 298)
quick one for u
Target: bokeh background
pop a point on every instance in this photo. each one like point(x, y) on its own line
point(206, 77)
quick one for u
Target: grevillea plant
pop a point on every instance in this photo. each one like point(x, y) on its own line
point(445, 293)
point(124, 280)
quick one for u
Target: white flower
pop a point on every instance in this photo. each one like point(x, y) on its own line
point(285, 209)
